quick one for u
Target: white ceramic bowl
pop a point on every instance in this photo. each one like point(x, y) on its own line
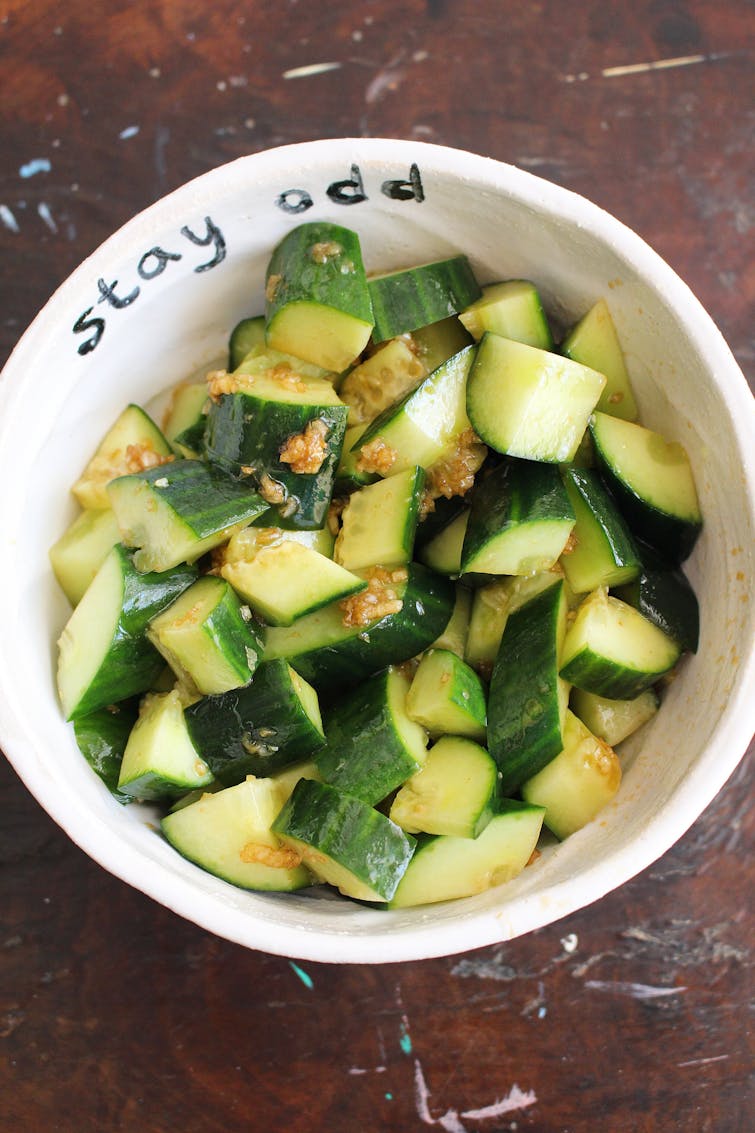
point(57, 398)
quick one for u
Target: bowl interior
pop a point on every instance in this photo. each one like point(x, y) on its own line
point(160, 298)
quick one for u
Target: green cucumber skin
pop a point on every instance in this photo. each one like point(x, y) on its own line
point(517, 491)
point(590, 672)
point(428, 602)
point(667, 599)
point(524, 726)
point(405, 301)
point(446, 510)
point(232, 444)
point(598, 499)
point(673, 538)
point(132, 664)
point(206, 499)
point(244, 337)
point(303, 280)
point(101, 737)
point(360, 839)
point(264, 715)
point(363, 755)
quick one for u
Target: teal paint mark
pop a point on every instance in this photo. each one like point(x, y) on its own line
point(38, 165)
point(388, 1097)
point(405, 1042)
point(305, 978)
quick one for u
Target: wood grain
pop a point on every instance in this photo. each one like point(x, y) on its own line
point(630, 1015)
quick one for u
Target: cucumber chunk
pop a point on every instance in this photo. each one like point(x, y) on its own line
point(286, 580)
point(372, 744)
point(491, 606)
point(101, 737)
point(528, 402)
point(345, 842)
point(437, 342)
point(451, 794)
point(595, 343)
point(613, 720)
point(528, 698)
point(520, 521)
point(229, 834)
point(206, 639)
point(245, 336)
point(383, 378)
point(177, 513)
point(576, 785)
point(664, 596)
point(379, 522)
point(268, 724)
point(246, 543)
point(405, 300)
point(400, 614)
point(444, 867)
point(104, 653)
point(612, 650)
point(652, 482)
point(454, 636)
point(601, 551)
point(443, 553)
point(185, 419)
point(132, 444)
point(160, 761)
point(447, 698)
point(423, 425)
point(512, 309)
point(318, 304)
point(80, 552)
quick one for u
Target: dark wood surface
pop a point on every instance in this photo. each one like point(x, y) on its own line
point(630, 1015)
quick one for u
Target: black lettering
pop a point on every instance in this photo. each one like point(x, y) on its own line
point(405, 190)
point(349, 192)
point(161, 258)
point(84, 324)
point(212, 236)
point(107, 293)
point(300, 203)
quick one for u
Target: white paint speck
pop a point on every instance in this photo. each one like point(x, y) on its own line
point(129, 132)
point(653, 65)
point(570, 943)
point(9, 219)
point(35, 166)
point(515, 1099)
point(633, 990)
point(155, 72)
point(46, 216)
point(237, 80)
point(222, 84)
point(310, 69)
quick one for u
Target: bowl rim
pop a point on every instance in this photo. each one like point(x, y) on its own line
point(691, 796)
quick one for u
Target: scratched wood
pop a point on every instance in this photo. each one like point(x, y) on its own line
point(630, 1015)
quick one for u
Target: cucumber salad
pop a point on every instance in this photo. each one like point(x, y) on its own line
point(374, 605)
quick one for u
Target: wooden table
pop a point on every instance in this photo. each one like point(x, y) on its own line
point(630, 1015)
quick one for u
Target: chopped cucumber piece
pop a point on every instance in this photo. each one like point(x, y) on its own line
point(344, 841)
point(665, 597)
point(491, 606)
point(186, 418)
point(372, 744)
point(613, 720)
point(520, 521)
point(380, 380)
point(451, 794)
point(576, 785)
point(379, 522)
point(104, 653)
point(160, 761)
point(228, 833)
point(80, 552)
point(454, 636)
point(317, 301)
point(132, 444)
point(447, 698)
point(528, 698)
point(445, 867)
point(528, 402)
point(601, 551)
point(422, 426)
point(206, 639)
point(405, 300)
point(244, 545)
point(443, 553)
point(611, 649)
point(512, 309)
point(652, 482)
point(268, 724)
point(101, 737)
point(437, 342)
point(349, 475)
point(286, 580)
point(245, 336)
point(175, 514)
point(595, 343)
point(286, 779)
